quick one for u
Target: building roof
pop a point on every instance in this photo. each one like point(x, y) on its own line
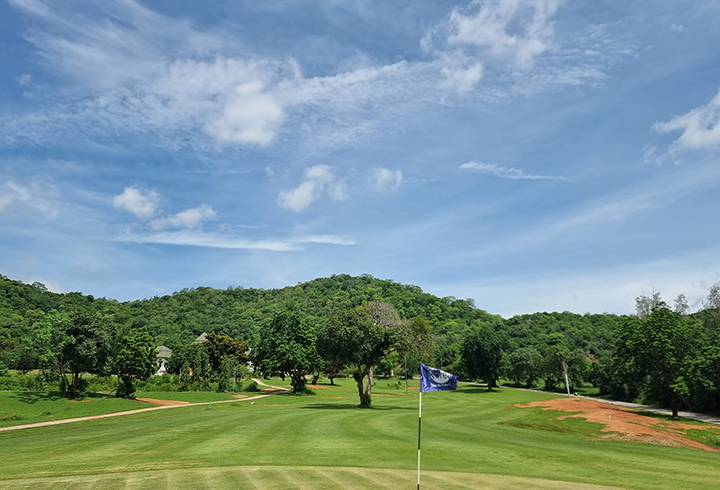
point(201, 338)
point(163, 352)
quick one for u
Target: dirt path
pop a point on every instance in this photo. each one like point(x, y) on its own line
point(274, 388)
point(623, 424)
point(701, 417)
point(174, 404)
point(157, 401)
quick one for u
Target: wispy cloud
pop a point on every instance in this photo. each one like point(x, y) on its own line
point(135, 71)
point(33, 198)
point(700, 127)
point(385, 180)
point(190, 218)
point(514, 32)
point(216, 240)
point(317, 180)
point(616, 207)
point(507, 172)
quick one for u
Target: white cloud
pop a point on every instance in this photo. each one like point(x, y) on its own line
point(135, 71)
point(24, 79)
point(316, 180)
point(190, 218)
point(322, 174)
point(700, 127)
point(299, 198)
point(514, 32)
point(215, 240)
point(385, 180)
point(463, 79)
point(142, 205)
point(250, 116)
point(506, 172)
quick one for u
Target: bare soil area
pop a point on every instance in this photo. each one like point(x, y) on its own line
point(319, 387)
point(627, 425)
point(155, 401)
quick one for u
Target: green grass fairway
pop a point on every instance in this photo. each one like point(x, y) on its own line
point(471, 439)
point(29, 407)
point(185, 396)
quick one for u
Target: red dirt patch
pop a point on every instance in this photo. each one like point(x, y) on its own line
point(319, 387)
point(155, 401)
point(239, 396)
point(626, 425)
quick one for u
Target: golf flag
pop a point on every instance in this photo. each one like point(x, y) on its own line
point(432, 379)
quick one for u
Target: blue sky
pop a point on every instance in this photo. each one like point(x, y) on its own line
point(534, 155)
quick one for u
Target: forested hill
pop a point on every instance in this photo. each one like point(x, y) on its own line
point(180, 317)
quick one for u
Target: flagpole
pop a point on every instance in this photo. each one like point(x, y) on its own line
point(419, 426)
point(567, 382)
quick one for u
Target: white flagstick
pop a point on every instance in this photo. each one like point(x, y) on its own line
point(567, 382)
point(419, 425)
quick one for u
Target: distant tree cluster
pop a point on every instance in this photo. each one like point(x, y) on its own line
point(361, 327)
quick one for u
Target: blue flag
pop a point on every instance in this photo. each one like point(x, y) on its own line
point(432, 379)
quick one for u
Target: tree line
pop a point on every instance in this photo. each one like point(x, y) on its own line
point(308, 330)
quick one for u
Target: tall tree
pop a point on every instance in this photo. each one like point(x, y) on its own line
point(222, 345)
point(482, 353)
point(85, 349)
point(136, 359)
point(644, 305)
point(48, 339)
point(360, 338)
point(662, 350)
point(525, 365)
point(287, 346)
point(681, 305)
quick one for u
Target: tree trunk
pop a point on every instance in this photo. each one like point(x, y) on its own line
point(673, 405)
point(64, 385)
point(368, 386)
point(492, 383)
point(364, 400)
point(76, 379)
point(332, 381)
point(298, 381)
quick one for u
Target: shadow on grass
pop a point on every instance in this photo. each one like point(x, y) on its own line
point(662, 416)
point(347, 406)
point(479, 390)
point(31, 397)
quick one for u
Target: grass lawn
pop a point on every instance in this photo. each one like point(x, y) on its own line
point(471, 439)
point(185, 396)
point(27, 407)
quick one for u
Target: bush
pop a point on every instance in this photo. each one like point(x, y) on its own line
point(252, 386)
point(28, 382)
